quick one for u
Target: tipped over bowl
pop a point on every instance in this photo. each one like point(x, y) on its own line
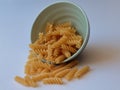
point(61, 12)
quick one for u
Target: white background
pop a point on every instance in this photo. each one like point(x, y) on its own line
point(102, 53)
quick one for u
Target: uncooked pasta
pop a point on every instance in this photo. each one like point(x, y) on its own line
point(59, 42)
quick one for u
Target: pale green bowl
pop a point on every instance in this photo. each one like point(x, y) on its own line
point(63, 12)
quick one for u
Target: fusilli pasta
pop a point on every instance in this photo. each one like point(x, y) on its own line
point(40, 77)
point(21, 81)
point(59, 42)
point(70, 74)
point(82, 71)
point(52, 81)
point(62, 73)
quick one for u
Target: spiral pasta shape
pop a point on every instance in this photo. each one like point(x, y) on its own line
point(21, 81)
point(69, 48)
point(62, 73)
point(82, 71)
point(40, 77)
point(70, 74)
point(52, 81)
point(59, 42)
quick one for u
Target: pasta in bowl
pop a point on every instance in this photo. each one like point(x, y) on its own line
point(60, 33)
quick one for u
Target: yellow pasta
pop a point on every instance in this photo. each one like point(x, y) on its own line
point(66, 53)
point(45, 65)
point(69, 48)
point(39, 70)
point(58, 66)
point(62, 73)
point(72, 63)
point(52, 81)
point(49, 27)
point(75, 37)
point(67, 32)
point(47, 54)
point(51, 59)
point(49, 50)
point(82, 71)
point(70, 74)
point(32, 54)
point(56, 52)
point(60, 59)
point(53, 73)
point(21, 81)
point(45, 70)
point(40, 77)
point(30, 81)
point(54, 33)
point(33, 65)
point(59, 42)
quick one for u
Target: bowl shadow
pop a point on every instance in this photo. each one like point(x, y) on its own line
point(97, 54)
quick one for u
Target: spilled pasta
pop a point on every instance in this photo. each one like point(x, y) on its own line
point(59, 42)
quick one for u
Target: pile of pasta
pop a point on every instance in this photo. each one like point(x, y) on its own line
point(37, 71)
point(59, 43)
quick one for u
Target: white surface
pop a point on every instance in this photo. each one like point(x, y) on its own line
point(102, 52)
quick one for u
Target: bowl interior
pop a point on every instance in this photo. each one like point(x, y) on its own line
point(59, 13)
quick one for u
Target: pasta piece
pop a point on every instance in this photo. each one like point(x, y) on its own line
point(66, 31)
point(49, 27)
point(52, 81)
point(58, 70)
point(41, 36)
point(56, 52)
point(58, 66)
point(32, 54)
point(41, 51)
point(69, 48)
point(39, 70)
point(30, 82)
point(29, 69)
point(50, 51)
point(45, 70)
point(82, 71)
point(45, 65)
point(70, 74)
point(50, 42)
point(35, 64)
point(55, 33)
point(59, 42)
point(40, 77)
point(73, 42)
point(62, 73)
point(72, 63)
point(50, 59)
point(21, 81)
point(41, 39)
point(75, 37)
point(60, 59)
point(66, 53)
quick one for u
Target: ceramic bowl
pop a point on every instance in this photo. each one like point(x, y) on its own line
point(61, 12)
